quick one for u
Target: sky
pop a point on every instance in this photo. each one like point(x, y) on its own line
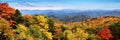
point(64, 4)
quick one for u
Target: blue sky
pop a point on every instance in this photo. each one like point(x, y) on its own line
point(64, 4)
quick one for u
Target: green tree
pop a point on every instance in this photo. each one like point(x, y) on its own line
point(115, 30)
point(17, 16)
point(64, 27)
point(51, 26)
point(37, 33)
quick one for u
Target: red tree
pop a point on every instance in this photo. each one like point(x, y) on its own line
point(105, 33)
point(6, 12)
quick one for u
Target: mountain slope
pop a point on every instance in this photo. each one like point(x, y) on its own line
point(96, 22)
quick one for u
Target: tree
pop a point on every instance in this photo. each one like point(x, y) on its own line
point(6, 12)
point(80, 32)
point(105, 33)
point(17, 16)
point(115, 30)
point(36, 33)
point(51, 26)
point(68, 35)
point(6, 32)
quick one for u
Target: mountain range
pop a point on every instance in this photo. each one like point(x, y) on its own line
point(69, 12)
point(68, 15)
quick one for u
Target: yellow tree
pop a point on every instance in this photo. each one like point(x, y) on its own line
point(6, 31)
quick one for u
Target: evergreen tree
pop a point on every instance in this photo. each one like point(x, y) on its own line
point(17, 16)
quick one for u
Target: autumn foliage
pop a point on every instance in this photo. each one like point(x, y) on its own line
point(6, 12)
point(105, 33)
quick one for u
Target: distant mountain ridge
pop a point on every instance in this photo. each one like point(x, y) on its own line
point(73, 15)
point(64, 13)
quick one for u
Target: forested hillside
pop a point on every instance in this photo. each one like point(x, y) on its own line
point(15, 26)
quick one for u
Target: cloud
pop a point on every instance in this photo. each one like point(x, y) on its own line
point(41, 8)
point(80, 7)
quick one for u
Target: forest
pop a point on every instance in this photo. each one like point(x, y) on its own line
point(15, 26)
